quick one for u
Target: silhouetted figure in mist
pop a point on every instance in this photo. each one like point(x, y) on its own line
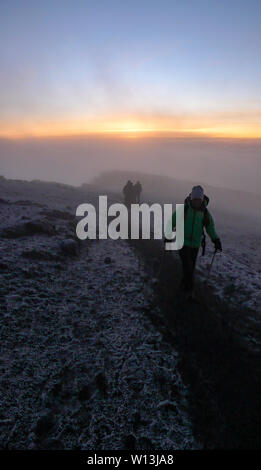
point(137, 192)
point(128, 192)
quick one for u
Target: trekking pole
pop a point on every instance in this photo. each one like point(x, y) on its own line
point(210, 267)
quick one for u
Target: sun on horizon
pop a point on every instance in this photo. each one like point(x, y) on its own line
point(131, 127)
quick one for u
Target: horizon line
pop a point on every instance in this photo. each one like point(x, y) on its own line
point(136, 134)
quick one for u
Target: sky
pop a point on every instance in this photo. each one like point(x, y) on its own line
point(130, 69)
point(165, 87)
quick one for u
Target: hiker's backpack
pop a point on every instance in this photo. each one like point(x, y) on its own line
point(206, 219)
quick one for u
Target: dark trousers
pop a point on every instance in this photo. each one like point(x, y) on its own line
point(188, 257)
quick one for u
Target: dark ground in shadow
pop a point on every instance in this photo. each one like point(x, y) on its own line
point(220, 368)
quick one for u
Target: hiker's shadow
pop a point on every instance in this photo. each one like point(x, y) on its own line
point(191, 322)
point(220, 370)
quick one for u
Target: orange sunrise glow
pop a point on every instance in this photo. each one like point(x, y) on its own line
point(137, 127)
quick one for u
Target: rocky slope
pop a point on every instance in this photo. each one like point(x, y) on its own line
point(82, 366)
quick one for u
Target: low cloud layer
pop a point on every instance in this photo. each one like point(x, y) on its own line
point(225, 163)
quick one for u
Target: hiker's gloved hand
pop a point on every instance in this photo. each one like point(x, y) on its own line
point(218, 246)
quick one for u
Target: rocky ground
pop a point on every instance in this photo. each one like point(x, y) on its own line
point(219, 346)
point(82, 366)
point(97, 351)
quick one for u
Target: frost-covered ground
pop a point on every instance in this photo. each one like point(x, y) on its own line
point(86, 360)
point(81, 364)
point(236, 272)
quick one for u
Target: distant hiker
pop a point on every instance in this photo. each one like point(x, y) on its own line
point(196, 217)
point(128, 192)
point(137, 192)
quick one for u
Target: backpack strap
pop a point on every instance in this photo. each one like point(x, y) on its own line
point(203, 243)
point(206, 221)
point(186, 206)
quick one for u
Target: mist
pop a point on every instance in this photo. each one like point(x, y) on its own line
point(231, 163)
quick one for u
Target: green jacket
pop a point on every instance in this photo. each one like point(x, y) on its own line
point(193, 225)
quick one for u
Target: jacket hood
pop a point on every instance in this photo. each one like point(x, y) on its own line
point(204, 202)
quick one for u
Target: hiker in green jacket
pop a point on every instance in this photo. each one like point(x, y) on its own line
point(196, 217)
